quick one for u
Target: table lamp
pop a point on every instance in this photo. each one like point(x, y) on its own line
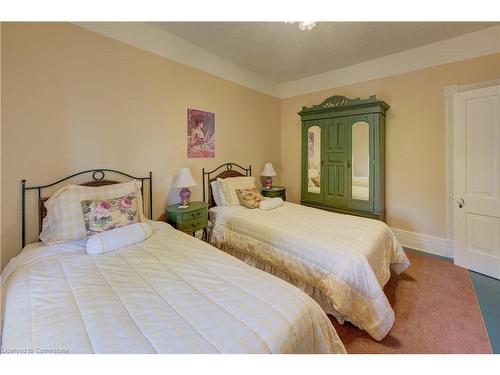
point(184, 180)
point(268, 172)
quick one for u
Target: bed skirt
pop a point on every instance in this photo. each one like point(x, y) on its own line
point(313, 292)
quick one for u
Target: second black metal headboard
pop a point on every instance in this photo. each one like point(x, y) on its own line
point(98, 179)
point(223, 171)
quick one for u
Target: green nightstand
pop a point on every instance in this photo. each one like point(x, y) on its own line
point(275, 191)
point(190, 219)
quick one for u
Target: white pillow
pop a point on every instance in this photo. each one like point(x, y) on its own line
point(218, 194)
point(231, 184)
point(269, 204)
point(118, 238)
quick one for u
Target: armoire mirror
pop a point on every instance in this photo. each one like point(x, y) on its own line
point(314, 159)
point(361, 161)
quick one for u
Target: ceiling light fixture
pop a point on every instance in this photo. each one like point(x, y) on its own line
point(305, 25)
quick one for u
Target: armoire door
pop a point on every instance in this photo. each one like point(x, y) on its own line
point(335, 161)
point(360, 168)
point(312, 153)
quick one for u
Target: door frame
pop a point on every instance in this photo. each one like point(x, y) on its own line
point(448, 92)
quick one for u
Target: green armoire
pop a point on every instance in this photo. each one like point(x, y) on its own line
point(343, 152)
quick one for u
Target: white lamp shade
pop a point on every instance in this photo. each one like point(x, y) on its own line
point(184, 179)
point(268, 170)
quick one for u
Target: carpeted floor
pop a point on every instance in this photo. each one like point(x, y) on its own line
point(436, 312)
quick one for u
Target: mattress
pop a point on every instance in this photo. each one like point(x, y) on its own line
point(342, 261)
point(169, 294)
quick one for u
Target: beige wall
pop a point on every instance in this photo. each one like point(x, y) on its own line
point(415, 157)
point(74, 99)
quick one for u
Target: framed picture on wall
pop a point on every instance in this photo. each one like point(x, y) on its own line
point(200, 134)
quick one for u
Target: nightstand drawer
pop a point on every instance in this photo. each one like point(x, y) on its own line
point(189, 219)
point(193, 215)
point(193, 224)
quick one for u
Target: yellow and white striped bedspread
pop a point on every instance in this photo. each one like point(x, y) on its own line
point(169, 294)
point(342, 261)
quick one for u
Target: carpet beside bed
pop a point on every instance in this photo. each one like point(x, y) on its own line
point(436, 312)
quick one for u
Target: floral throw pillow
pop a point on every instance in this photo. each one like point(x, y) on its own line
point(102, 215)
point(249, 198)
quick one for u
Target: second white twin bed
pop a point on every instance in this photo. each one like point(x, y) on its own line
point(342, 261)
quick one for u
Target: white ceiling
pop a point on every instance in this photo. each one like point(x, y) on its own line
point(282, 52)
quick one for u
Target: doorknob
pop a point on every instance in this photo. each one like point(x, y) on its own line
point(460, 202)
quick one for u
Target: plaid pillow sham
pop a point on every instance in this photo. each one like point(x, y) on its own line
point(65, 221)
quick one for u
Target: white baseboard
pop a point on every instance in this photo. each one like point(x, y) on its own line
point(423, 242)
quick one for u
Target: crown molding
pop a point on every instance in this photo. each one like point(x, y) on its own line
point(467, 46)
point(153, 39)
point(159, 42)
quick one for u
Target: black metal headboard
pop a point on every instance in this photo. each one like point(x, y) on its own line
point(98, 179)
point(226, 171)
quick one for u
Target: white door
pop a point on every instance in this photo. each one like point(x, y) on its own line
point(476, 180)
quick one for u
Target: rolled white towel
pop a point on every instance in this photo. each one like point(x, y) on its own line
point(269, 204)
point(115, 239)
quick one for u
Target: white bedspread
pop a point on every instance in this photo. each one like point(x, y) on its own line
point(169, 294)
point(342, 261)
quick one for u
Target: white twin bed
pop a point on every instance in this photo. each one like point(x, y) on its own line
point(342, 261)
point(169, 294)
